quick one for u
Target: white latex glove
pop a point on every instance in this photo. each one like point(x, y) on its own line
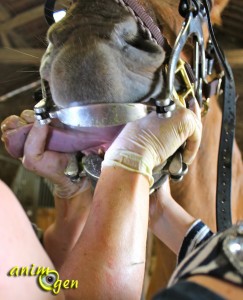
point(149, 142)
point(48, 164)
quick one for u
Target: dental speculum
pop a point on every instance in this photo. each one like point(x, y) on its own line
point(103, 115)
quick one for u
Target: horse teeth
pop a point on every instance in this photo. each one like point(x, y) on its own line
point(101, 152)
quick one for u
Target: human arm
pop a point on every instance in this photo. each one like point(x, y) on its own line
point(167, 219)
point(70, 218)
point(102, 253)
point(72, 200)
point(109, 256)
point(19, 248)
point(114, 209)
point(184, 235)
point(215, 264)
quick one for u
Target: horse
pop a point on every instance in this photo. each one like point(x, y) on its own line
point(98, 53)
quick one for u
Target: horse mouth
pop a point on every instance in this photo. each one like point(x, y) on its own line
point(93, 140)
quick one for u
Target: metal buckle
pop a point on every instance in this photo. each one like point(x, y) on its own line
point(220, 78)
point(205, 107)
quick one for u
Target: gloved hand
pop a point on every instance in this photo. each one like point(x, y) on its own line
point(48, 164)
point(149, 142)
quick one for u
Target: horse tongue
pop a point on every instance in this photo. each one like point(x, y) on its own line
point(14, 140)
point(88, 140)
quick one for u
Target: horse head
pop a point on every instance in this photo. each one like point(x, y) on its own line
point(99, 52)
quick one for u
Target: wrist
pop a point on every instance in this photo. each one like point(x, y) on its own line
point(196, 234)
point(130, 161)
point(68, 189)
point(169, 221)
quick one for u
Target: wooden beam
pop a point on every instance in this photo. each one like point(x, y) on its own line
point(235, 58)
point(22, 18)
point(4, 14)
point(24, 56)
point(19, 91)
point(11, 35)
point(5, 40)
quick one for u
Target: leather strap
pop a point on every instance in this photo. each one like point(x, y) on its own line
point(211, 88)
point(223, 192)
point(147, 20)
point(224, 173)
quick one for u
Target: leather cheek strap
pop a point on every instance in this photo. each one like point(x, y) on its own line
point(223, 193)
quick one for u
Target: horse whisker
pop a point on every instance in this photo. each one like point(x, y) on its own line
point(42, 40)
point(15, 50)
point(27, 71)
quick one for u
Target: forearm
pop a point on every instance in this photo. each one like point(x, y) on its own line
point(171, 222)
point(111, 250)
point(71, 216)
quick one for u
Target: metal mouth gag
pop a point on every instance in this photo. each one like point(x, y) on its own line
point(191, 28)
point(95, 115)
point(196, 13)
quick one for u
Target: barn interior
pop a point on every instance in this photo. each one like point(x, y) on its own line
point(22, 43)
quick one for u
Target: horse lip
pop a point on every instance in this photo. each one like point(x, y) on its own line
point(100, 139)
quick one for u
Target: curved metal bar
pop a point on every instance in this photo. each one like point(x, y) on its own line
point(101, 115)
point(192, 27)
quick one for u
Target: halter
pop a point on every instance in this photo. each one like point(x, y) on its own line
point(194, 78)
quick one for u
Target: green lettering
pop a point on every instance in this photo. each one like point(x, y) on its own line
point(57, 287)
point(24, 271)
point(65, 284)
point(74, 284)
point(42, 271)
point(14, 272)
point(32, 271)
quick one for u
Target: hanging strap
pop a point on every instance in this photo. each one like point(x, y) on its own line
point(223, 192)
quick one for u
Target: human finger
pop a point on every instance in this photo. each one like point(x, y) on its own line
point(12, 122)
point(36, 141)
point(194, 106)
point(28, 115)
point(48, 164)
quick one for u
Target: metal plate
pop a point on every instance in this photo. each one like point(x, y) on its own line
point(101, 115)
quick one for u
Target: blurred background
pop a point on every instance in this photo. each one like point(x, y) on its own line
point(22, 43)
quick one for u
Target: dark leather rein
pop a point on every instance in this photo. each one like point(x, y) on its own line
point(195, 10)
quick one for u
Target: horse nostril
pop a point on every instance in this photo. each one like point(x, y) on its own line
point(56, 35)
point(50, 35)
point(53, 37)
